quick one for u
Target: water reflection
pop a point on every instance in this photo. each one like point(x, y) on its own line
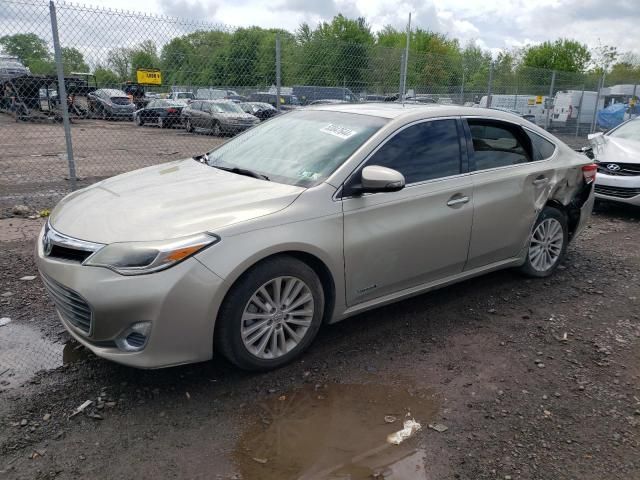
point(334, 432)
point(24, 352)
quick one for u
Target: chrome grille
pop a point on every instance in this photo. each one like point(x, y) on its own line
point(624, 169)
point(620, 192)
point(72, 307)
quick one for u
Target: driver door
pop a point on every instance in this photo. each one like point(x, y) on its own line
point(397, 240)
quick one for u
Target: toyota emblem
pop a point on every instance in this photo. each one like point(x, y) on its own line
point(614, 167)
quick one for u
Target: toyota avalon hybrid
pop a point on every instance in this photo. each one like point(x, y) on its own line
point(246, 251)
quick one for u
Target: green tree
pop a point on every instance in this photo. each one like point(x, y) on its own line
point(119, 59)
point(106, 77)
point(144, 55)
point(563, 54)
point(29, 48)
point(73, 61)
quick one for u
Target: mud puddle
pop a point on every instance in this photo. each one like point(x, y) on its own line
point(24, 352)
point(335, 432)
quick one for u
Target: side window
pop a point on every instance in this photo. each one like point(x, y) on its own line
point(422, 152)
point(196, 105)
point(541, 147)
point(496, 144)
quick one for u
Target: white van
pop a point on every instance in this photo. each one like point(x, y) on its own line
point(571, 106)
point(526, 105)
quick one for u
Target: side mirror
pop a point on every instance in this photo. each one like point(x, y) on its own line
point(381, 179)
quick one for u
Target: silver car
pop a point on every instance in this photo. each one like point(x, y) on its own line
point(307, 219)
point(617, 154)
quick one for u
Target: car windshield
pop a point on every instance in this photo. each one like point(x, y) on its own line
point(184, 95)
point(226, 108)
point(315, 144)
point(628, 131)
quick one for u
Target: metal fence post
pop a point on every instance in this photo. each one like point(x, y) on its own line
point(62, 95)
point(579, 112)
point(278, 72)
point(633, 99)
point(549, 103)
point(401, 87)
point(595, 110)
point(406, 60)
point(462, 86)
point(490, 85)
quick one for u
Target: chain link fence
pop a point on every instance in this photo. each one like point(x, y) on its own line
point(130, 81)
point(87, 93)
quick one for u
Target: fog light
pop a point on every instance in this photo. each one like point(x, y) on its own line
point(134, 338)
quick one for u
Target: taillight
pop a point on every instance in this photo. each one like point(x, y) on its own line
point(172, 110)
point(589, 173)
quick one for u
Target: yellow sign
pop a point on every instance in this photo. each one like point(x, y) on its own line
point(538, 99)
point(149, 76)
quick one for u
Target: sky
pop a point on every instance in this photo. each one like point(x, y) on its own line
point(493, 24)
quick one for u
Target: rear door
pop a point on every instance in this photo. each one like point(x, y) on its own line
point(511, 183)
point(397, 240)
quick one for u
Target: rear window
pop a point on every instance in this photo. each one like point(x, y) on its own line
point(541, 147)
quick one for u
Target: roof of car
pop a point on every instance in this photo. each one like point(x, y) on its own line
point(393, 110)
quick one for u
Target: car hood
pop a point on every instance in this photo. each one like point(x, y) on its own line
point(615, 150)
point(167, 201)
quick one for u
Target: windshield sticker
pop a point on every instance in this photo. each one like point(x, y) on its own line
point(338, 131)
point(309, 175)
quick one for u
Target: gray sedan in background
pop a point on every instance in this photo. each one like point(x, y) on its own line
point(219, 117)
point(307, 219)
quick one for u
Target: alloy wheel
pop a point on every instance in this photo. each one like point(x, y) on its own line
point(277, 317)
point(546, 244)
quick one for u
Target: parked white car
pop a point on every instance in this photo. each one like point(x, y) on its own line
point(617, 154)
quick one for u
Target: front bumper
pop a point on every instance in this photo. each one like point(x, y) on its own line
point(618, 188)
point(181, 304)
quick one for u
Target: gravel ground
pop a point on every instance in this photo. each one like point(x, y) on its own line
point(532, 379)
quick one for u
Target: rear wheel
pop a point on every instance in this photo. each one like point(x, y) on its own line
point(271, 315)
point(215, 129)
point(161, 122)
point(547, 243)
point(188, 126)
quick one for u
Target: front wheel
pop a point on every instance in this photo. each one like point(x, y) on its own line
point(271, 315)
point(139, 121)
point(547, 243)
point(215, 129)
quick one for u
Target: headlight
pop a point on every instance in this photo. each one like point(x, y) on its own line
point(138, 258)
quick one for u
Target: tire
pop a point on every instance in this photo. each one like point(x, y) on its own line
point(188, 126)
point(544, 250)
point(103, 114)
point(161, 122)
point(139, 121)
point(216, 131)
point(307, 317)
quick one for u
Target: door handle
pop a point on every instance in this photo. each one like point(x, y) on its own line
point(541, 181)
point(453, 201)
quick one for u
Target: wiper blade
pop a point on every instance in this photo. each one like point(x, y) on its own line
point(243, 171)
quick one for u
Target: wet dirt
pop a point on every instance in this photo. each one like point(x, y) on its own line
point(334, 431)
point(533, 379)
point(24, 351)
